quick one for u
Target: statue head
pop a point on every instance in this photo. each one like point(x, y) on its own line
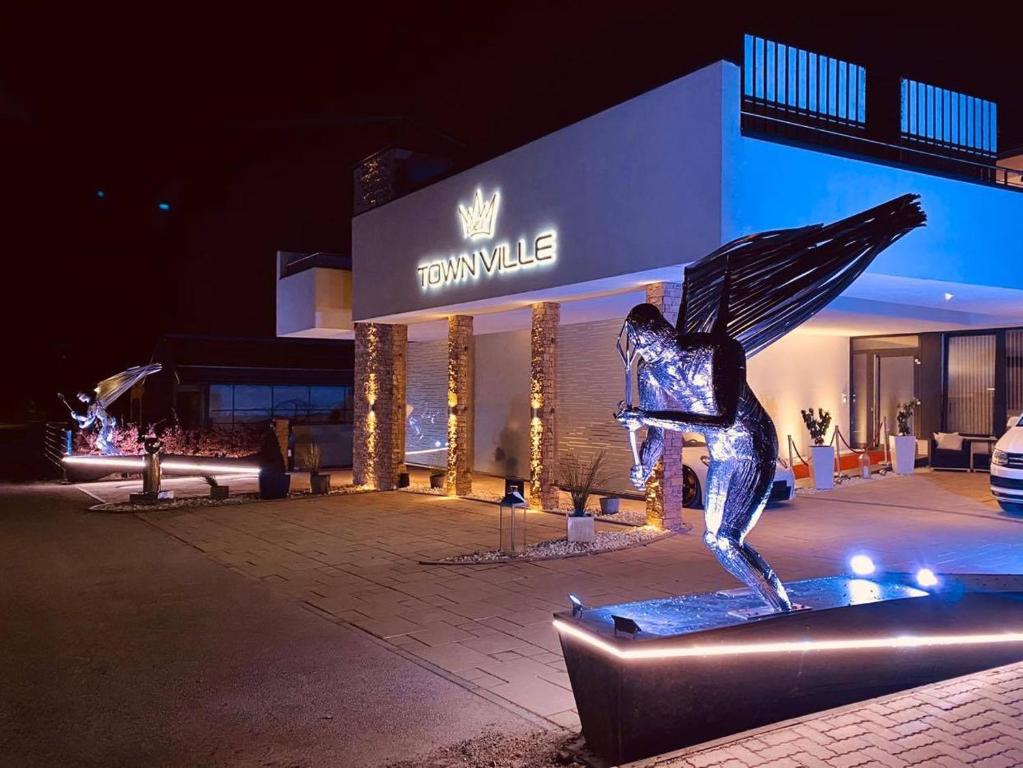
point(649, 332)
point(84, 397)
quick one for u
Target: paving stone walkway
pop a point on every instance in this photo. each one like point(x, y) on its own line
point(969, 721)
point(356, 559)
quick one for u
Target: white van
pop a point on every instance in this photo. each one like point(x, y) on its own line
point(1007, 467)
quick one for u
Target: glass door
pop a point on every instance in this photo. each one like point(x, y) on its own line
point(896, 384)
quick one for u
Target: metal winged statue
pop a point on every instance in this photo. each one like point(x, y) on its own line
point(692, 376)
point(105, 393)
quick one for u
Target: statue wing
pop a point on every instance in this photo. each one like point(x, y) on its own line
point(762, 286)
point(108, 390)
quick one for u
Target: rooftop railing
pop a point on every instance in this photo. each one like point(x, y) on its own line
point(840, 140)
point(291, 263)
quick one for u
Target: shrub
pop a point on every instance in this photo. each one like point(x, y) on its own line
point(817, 425)
point(580, 479)
point(220, 442)
point(903, 416)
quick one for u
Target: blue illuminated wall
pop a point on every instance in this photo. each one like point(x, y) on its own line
point(972, 235)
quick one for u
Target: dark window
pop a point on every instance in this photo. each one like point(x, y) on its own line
point(248, 403)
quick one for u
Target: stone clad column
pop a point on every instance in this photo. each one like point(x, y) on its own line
point(664, 489)
point(378, 440)
point(461, 405)
point(543, 397)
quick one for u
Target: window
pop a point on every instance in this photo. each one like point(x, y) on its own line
point(971, 383)
point(1013, 372)
point(248, 403)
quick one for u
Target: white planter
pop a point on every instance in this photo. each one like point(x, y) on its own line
point(822, 464)
point(580, 528)
point(903, 453)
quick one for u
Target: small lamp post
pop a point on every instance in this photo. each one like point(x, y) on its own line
point(512, 500)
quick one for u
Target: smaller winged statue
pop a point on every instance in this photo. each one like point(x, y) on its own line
point(105, 393)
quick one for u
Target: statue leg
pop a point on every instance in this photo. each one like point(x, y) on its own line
point(735, 502)
point(105, 435)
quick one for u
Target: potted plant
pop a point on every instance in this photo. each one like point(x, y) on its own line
point(218, 492)
point(319, 482)
point(822, 457)
point(579, 478)
point(904, 444)
point(609, 505)
point(274, 481)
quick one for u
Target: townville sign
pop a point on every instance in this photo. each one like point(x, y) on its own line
point(478, 223)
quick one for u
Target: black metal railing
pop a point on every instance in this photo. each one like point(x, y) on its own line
point(792, 129)
point(55, 443)
point(291, 263)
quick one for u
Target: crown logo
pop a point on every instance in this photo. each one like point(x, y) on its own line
point(478, 220)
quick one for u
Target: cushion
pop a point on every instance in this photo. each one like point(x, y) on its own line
point(948, 441)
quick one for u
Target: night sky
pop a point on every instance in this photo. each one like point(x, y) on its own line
point(248, 127)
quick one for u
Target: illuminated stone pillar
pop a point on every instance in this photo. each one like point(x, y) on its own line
point(378, 440)
point(543, 397)
point(664, 491)
point(461, 405)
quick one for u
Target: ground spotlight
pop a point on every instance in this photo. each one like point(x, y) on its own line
point(577, 605)
point(925, 577)
point(862, 565)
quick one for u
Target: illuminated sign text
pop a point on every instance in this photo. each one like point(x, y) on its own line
point(489, 261)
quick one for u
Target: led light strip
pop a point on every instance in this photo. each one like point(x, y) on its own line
point(172, 464)
point(786, 646)
point(107, 462)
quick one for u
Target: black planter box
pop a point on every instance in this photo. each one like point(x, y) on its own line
point(273, 485)
point(698, 670)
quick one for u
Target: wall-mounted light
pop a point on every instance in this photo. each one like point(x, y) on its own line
point(949, 296)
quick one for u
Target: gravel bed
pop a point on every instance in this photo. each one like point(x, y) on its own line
point(538, 749)
point(554, 549)
point(632, 517)
point(849, 480)
point(181, 503)
point(489, 498)
point(186, 502)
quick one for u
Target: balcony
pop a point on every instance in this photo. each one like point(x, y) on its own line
point(806, 98)
point(314, 295)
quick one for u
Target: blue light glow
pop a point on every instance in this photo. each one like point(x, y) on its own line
point(861, 565)
point(164, 206)
point(925, 577)
point(100, 193)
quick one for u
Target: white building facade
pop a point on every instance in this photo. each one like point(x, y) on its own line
point(486, 306)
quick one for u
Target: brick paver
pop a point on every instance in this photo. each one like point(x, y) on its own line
point(356, 559)
point(981, 730)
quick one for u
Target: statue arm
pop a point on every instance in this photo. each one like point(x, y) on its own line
point(649, 452)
